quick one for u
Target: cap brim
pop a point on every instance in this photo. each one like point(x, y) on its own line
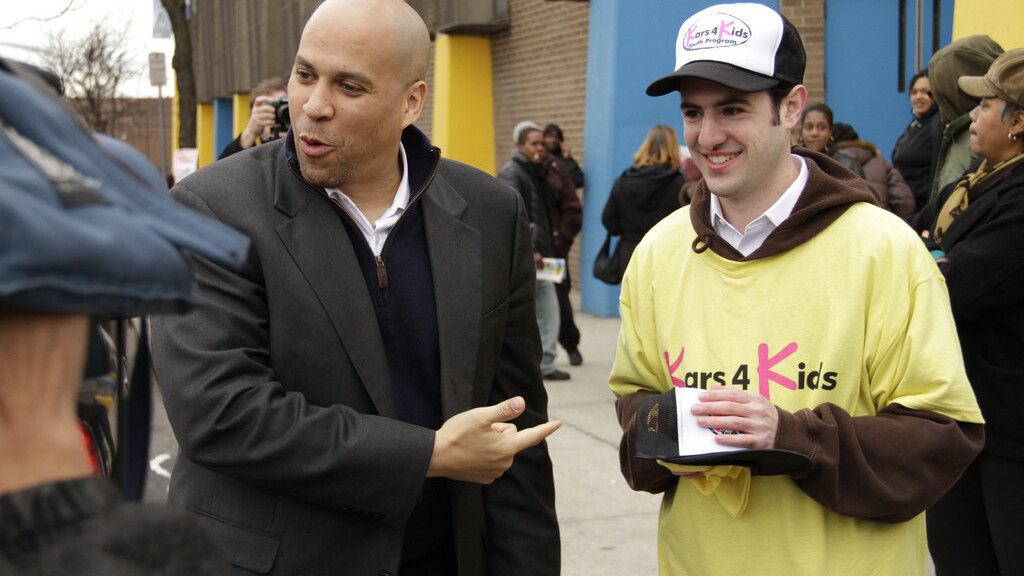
point(767, 462)
point(724, 74)
point(977, 86)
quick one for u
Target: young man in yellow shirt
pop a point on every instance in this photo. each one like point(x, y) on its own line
point(813, 320)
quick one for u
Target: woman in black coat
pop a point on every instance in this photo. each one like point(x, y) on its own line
point(915, 151)
point(646, 192)
point(975, 230)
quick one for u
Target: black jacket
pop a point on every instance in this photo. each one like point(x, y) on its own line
point(985, 275)
point(640, 197)
point(83, 526)
point(915, 154)
point(528, 179)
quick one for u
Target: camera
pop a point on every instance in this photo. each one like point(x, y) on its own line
point(282, 119)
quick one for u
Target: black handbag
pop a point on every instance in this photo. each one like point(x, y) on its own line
point(607, 267)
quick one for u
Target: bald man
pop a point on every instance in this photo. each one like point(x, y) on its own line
point(364, 397)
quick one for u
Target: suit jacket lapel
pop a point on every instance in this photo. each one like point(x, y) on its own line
point(455, 261)
point(316, 238)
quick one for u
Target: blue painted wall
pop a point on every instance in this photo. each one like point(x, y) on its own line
point(631, 44)
point(223, 125)
point(862, 64)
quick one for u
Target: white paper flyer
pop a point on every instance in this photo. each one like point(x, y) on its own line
point(694, 438)
point(553, 270)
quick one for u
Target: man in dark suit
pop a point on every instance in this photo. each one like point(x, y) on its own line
point(351, 402)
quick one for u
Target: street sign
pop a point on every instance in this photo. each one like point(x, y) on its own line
point(157, 69)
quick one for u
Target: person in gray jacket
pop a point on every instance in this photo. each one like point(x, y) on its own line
point(363, 396)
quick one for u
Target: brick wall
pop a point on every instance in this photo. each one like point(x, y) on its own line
point(138, 123)
point(540, 73)
point(809, 18)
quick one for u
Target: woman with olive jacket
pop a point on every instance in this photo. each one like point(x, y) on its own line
point(975, 230)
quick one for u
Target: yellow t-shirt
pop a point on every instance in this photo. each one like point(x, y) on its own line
point(860, 324)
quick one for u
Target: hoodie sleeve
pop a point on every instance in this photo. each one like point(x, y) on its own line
point(642, 474)
point(877, 478)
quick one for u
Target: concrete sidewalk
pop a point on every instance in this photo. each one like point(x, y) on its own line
point(607, 528)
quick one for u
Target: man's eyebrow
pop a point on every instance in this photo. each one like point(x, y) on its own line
point(727, 101)
point(338, 76)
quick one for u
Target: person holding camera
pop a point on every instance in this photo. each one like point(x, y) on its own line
point(265, 100)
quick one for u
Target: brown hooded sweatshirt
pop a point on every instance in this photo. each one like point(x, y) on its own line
point(857, 469)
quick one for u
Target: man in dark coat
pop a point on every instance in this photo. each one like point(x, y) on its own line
point(352, 400)
point(529, 173)
point(566, 215)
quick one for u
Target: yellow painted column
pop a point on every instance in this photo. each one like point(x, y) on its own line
point(204, 134)
point(175, 121)
point(240, 106)
point(1000, 19)
point(464, 100)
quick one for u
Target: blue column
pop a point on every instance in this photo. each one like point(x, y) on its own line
point(862, 65)
point(223, 129)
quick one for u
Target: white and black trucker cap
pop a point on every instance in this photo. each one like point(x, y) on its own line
point(747, 47)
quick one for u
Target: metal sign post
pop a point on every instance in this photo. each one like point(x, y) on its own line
point(158, 77)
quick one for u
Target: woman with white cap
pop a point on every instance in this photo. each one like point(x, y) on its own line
point(975, 230)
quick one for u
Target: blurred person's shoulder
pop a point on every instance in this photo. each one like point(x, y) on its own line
point(252, 173)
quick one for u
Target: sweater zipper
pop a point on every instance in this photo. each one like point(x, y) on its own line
point(382, 270)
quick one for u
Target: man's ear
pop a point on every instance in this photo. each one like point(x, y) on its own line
point(793, 106)
point(415, 95)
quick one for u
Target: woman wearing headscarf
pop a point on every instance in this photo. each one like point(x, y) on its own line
point(970, 56)
point(975, 230)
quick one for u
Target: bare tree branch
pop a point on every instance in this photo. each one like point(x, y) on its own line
point(66, 10)
point(93, 68)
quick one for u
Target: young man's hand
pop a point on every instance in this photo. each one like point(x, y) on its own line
point(749, 413)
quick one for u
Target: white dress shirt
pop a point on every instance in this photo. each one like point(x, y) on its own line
point(759, 229)
point(377, 233)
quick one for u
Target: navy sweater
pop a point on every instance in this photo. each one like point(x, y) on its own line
point(402, 290)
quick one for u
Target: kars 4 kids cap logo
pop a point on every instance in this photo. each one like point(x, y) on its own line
point(716, 30)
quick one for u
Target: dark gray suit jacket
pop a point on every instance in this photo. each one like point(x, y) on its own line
point(278, 389)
